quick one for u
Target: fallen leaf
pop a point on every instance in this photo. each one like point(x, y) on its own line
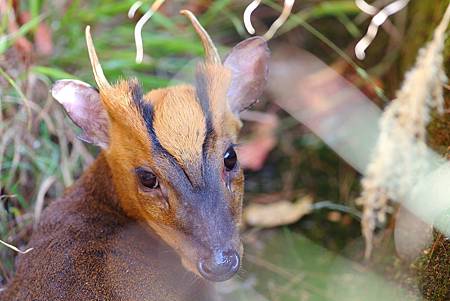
point(334, 216)
point(253, 154)
point(267, 198)
point(277, 214)
point(21, 44)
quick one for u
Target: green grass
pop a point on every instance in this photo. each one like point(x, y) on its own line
point(291, 266)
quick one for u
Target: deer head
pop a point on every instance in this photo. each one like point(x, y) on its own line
point(171, 151)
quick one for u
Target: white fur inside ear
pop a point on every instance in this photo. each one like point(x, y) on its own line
point(64, 91)
point(82, 104)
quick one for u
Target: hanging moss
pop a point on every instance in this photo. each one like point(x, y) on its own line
point(433, 267)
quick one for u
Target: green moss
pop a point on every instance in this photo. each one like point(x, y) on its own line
point(439, 133)
point(434, 270)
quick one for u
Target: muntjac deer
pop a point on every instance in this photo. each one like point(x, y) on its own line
point(156, 216)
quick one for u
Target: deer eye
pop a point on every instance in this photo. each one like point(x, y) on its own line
point(147, 178)
point(230, 159)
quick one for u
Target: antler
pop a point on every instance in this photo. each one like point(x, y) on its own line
point(99, 76)
point(212, 56)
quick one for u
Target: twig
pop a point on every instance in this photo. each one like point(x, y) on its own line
point(138, 29)
point(134, 8)
point(287, 8)
point(285, 13)
point(378, 19)
point(337, 207)
point(45, 186)
point(248, 14)
point(15, 248)
point(366, 7)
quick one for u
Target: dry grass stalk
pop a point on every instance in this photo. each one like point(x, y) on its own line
point(29, 155)
point(15, 248)
point(140, 24)
point(400, 158)
point(285, 13)
point(247, 16)
point(43, 189)
point(379, 17)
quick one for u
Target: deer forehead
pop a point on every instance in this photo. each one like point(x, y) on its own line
point(179, 122)
point(170, 122)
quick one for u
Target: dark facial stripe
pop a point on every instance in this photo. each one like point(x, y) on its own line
point(136, 93)
point(146, 110)
point(202, 94)
point(201, 87)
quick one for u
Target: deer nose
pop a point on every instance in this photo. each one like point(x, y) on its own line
point(220, 266)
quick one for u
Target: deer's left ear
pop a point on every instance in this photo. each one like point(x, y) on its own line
point(83, 105)
point(248, 62)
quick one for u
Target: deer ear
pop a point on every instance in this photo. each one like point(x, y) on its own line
point(248, 62)
point(83, 105)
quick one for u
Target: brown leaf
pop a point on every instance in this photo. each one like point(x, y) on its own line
point(253, 154)
point(22, 45)
point(42, 37)
point(267, 198)
point(277, 214)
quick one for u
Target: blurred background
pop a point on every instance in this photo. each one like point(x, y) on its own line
point(302, 225)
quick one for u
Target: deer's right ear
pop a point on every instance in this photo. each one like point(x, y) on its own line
point(83, 105)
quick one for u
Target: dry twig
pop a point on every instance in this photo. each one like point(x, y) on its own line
point(287, 8)
point(138, 29)
point(15, 248)
point(378, 19)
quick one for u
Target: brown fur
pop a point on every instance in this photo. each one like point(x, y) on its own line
point(86, 248)
point(180, 126)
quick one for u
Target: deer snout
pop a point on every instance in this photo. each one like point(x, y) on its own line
point(221, 265)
